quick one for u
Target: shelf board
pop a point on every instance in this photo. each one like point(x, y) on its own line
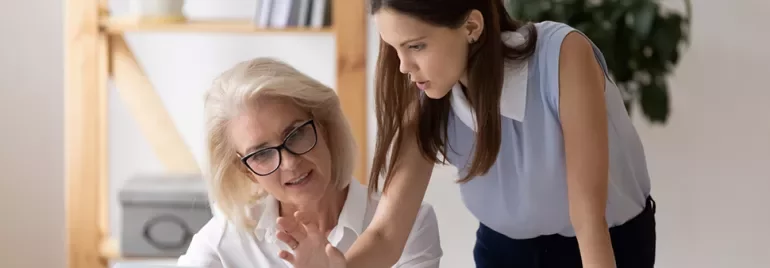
point(121, 25)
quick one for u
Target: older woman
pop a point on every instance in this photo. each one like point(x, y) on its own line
point(279, 146)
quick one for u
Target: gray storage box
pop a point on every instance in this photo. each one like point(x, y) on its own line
point(161, 213)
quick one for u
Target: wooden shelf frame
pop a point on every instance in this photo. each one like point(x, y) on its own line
point(121, 25)
point(96, 52)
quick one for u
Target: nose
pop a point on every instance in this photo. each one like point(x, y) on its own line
point(406, 66)
point(289, 161)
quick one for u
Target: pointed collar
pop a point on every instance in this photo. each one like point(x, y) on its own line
point(513, 98)
point(351, 217)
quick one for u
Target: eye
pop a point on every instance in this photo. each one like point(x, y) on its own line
point(297, 134)
point(262, 156)
point(417, 47)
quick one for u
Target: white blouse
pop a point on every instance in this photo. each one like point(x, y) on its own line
point(219, 244)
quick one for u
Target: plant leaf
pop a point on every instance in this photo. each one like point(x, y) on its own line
point(641, 51)
point(644, 17)
point(654, 101)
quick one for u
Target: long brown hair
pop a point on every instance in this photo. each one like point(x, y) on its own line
point(396, 98)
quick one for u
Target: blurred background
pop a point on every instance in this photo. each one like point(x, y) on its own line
point(708, 160)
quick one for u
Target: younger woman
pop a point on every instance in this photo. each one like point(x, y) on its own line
point(549, 161)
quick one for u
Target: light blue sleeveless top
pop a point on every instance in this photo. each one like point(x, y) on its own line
point(524, 194)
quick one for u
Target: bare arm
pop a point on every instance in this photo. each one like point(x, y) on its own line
point(381, 244)
point(584, 122)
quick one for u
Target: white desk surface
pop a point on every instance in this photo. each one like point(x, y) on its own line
point(170, 263)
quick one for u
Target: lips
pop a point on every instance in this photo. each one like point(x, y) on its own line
point(299, 180)
point(422, 85)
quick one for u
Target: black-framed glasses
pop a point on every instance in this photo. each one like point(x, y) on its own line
point(300, 140)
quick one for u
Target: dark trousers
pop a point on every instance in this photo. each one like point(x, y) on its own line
point(633, 244)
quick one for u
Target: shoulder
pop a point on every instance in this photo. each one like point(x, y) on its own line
point(578, 65)
point(423, 246)
point(564, 46)
point(554, 37)
point(565, 55)
point(204, 247)
point(212, 233)
point(550, 30)
point(426, 216)
point(576, 52)
point(425, 231)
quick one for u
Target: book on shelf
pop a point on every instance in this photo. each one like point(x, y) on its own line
point(293, 13)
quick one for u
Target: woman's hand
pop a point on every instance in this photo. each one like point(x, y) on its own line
point(309, 243)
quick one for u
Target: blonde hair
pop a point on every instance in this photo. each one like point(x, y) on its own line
point(231, 189)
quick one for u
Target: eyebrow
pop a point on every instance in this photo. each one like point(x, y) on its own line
point(289, 128)
point(411, 40)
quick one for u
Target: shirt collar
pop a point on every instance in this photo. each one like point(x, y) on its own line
point(351, 217)
point(513, 98)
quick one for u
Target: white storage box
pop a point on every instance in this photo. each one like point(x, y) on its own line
point(161, 213)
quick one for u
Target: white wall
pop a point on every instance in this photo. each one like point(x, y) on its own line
point(31, 147)
point(707, 163)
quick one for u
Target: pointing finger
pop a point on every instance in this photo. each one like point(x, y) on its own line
point(308, 220)
point(291, 227)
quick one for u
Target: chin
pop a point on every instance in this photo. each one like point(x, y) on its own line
point(306, 199)
point(435, 93)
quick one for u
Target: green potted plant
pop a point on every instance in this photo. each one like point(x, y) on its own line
point(640, 40)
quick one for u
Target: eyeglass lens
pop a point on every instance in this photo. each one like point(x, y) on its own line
point(298, 142)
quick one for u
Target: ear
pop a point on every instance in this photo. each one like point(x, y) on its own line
point(474, 26)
